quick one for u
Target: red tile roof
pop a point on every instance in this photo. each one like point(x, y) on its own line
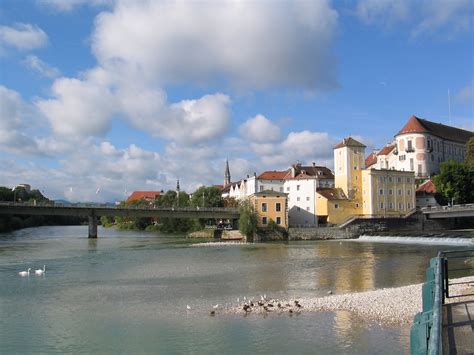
point(143, 195)
point(427, 187)
point(332, 193)
point(418, 125)
point(349, 142)
point(273, 175)
point(370, 160)
point(387, 149)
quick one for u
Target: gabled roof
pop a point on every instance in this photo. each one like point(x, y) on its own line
point(321, 172)
point(349, 142)
point(140, 195)
point(273, 175)
point(418, 125)
point(332, 193)
point(387, 149)
point(370, 160)
point(427, 187)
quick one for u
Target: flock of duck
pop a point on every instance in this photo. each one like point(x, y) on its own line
point(38, 272)
point(265, 305)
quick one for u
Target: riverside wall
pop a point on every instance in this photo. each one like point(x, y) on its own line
point(413, 224)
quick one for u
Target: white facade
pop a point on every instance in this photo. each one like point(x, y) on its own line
point(423, 153)
point(301, 202)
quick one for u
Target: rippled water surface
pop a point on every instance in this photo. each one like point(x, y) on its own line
point(128, 292)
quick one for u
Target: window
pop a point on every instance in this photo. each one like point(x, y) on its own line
point(412, 165)
point(408, 192)
point(432, 157)
point(402, 157)
point(408, 205)
point(264, 220)
point(297, 208)
point(408, 180)
point(287, 188)
point(264, 207)
point(390, 205)
point(297, 199)
point(307, 198)
point(336, 205)
point(390, 179)
point(261, 188)
point(278, 207)
point(400, 192)
point(307, 208)
point(381, 192)
point(357, 205)
point(281, 188)
point(381, 205)
point(410, 146)
point(400, 206)
point(399, 179)
point(297, 187)
point(278, 220)
point(355, 167)
point(390, 192)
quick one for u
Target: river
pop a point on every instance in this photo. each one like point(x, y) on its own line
point(128, 292)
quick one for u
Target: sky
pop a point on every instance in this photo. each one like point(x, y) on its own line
point(99, 98)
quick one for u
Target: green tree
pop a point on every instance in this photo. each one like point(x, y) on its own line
point(207, 197)
point(6, 194)
point(470, 151)
point(455, 182)
point(248, 220)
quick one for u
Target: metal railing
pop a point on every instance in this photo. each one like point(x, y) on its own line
point(426, 331)
point(116, 207)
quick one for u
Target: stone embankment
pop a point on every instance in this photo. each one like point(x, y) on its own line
point(388, 305)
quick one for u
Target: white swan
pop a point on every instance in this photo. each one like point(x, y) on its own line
point(40, 272)
point(24, 273)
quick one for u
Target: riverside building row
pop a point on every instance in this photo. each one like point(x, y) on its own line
point(381, 185)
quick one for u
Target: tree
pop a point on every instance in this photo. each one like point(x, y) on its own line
point(455, 183)
point(470, 151)
point(248, 220)
point(207, 197)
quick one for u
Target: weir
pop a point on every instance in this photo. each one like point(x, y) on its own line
point(417, 240)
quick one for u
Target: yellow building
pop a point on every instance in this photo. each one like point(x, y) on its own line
point(271, 205)
point(388, 192)
point(333, 206)
point(368, 192)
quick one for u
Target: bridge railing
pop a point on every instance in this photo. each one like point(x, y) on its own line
point(117, 207)
point(426, 331)
point(468, 206)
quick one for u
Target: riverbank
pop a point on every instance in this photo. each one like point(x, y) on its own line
point(389, 305)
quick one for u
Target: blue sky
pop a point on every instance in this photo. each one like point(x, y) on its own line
point(132, 95)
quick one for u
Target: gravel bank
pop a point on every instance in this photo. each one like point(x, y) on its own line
point(388, 305)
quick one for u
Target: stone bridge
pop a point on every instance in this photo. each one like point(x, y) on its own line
point(94, 211)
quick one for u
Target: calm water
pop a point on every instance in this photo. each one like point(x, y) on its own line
point(127, 292)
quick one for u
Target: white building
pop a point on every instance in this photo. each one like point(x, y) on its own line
point(421, 146)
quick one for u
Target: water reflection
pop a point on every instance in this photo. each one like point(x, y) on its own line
point(127, 292)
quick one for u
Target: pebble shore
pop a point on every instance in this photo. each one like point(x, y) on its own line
point(389, 305)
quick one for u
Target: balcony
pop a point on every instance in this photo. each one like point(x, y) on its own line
point(410, 150)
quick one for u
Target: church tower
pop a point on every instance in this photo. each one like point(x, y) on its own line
point(349, 161)
point(226, 174)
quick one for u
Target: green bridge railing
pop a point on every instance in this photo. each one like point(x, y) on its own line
point(426, 331)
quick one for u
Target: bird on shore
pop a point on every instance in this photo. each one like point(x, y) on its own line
point(213, 313)
point(24, 273)
point(188, 307)
point(216, 306)
point(40, 271)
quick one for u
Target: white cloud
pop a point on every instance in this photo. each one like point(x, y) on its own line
point(80, 107)
point(247, 44)
point(466, 94)
point(260, 129)
point(443, 18)
point(69, 5)
point(44, 69)
point(383, 12)
point(22, 36)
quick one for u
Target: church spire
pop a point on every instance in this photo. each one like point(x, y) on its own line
point(227, 173)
